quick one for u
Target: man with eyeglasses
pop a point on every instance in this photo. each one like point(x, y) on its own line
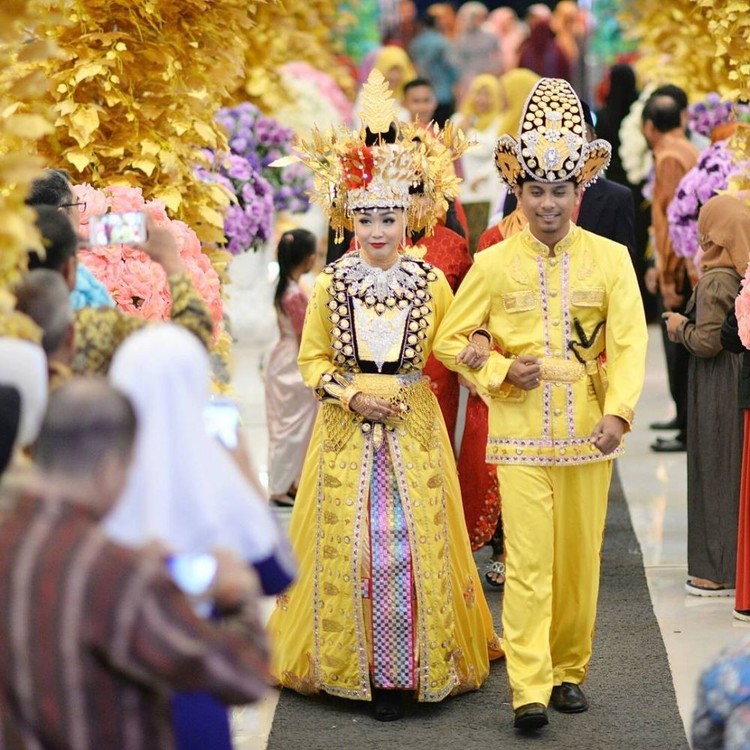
point(54, 189)
point(100, 330)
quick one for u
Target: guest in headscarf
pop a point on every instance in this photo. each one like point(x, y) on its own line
point(477, 51)
point(504, 24)
point(445, 15)
point(542, 54)
point(515, 87)
point(479, 118)
point(569, 26)
point(185, 490)
point(23, 365)
point(714, 447)
point(184, 487)
point(397, 69)
point(622, 91)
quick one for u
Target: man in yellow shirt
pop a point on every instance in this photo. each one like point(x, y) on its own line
point(560, 310)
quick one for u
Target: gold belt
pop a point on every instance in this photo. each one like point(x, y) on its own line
point(389, 387)
point(558, 370)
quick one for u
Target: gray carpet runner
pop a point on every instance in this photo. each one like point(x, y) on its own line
point(629, 685)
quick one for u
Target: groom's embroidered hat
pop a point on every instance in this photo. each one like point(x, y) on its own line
point(552, 145)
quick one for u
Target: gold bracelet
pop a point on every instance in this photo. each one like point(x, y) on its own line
point(347, 395)
point(483, 332)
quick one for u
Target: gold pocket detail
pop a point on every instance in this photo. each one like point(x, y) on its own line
point(587, 296)
point(519, 301)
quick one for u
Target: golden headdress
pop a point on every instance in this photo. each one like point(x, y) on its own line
point(552, 145)
point(385, 164)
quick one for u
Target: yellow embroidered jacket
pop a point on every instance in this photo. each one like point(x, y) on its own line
point(535, 302)
point(100, 330)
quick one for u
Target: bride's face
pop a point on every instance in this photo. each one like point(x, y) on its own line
point(379, 233)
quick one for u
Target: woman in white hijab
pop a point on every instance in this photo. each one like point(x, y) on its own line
point(23, 366)
point(184, 489)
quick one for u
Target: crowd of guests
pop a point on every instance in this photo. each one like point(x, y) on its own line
point(134, 544)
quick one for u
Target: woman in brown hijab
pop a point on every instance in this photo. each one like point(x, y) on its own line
point(714, 449)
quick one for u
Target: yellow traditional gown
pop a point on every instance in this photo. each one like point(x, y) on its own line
point(388, 594)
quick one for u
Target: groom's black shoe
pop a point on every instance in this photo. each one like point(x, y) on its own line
point(530, 716)
point(568, 698)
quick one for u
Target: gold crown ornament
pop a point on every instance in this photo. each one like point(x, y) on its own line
point(552, 144)
point(386, 163)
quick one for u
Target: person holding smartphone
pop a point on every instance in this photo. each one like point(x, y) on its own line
point(100, 330)
point(115, 635)
point(186, 492)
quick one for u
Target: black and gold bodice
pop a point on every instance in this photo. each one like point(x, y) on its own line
point(379, 317)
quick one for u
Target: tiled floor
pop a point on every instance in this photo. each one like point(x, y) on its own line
point(655, 485)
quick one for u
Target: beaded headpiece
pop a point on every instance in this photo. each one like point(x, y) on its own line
point(552, 144)
point(385, 164)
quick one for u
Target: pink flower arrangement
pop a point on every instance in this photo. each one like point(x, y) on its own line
point(742, 309)
point(137, 284)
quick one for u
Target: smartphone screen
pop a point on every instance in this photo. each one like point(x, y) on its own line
point(193, 573)
point(118, 229)
point(222, 418)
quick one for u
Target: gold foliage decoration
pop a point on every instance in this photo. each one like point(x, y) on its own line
point(290, 31)
point(136, 91)
point(23, 119)
point(700, 45)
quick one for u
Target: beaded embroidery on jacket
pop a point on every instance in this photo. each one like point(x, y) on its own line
point(403, 287)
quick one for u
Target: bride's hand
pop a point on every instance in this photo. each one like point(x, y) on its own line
point(373, 408)
point(475, 354)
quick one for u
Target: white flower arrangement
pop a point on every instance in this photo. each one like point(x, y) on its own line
point(307, 108)
point(634, 151)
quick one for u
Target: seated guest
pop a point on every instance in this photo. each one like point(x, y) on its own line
point(99, 331)
point(117, 634)
point(43, 295)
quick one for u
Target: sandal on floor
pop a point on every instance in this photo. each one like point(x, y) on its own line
point(495, 568)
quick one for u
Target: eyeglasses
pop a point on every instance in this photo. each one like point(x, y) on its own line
point(81, 205)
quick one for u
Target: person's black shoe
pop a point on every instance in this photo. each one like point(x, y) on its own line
point(568, 698)
point(387, 704)
point(673, 424)
point(530, 716)
point(674, 445)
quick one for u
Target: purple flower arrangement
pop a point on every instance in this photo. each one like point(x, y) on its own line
point(712, 111)
point(711, 174)
point(262, 140)
point(248, 224)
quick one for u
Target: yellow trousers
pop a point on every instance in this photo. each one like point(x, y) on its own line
point(553, 518)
